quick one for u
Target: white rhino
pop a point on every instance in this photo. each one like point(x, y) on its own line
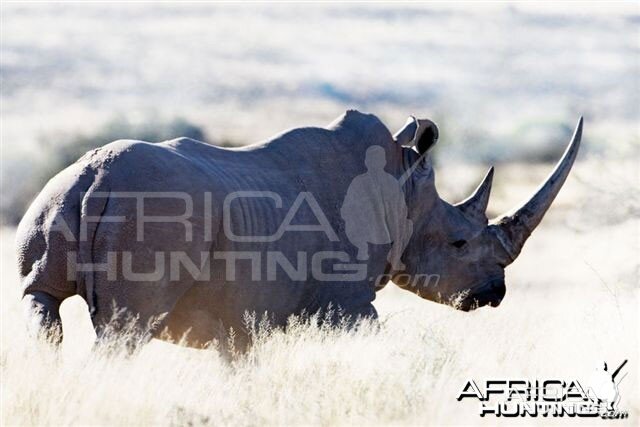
point(200, 235)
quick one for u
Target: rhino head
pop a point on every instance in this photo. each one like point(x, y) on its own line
point(457, 243)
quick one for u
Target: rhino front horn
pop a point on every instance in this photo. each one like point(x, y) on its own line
point(515, 227)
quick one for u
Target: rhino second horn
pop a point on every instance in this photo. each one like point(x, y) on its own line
point(475, 206)
point(514, 228)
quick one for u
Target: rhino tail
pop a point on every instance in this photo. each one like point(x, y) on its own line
point(94, 204)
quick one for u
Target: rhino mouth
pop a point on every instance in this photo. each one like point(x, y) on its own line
point(490, 294)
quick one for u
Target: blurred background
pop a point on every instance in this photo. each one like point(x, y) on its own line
point(505, 82)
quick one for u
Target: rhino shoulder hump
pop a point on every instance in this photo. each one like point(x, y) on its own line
point(355, 117)
point(363, 124)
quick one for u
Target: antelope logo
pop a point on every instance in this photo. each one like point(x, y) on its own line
point(604, 386)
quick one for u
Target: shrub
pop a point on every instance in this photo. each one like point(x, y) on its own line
point(24, 177)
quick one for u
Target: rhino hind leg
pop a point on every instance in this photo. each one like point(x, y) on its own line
point(131, 318)
point(124, 326)
point(42, 311)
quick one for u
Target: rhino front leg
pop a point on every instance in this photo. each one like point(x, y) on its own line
point(349, 317)
point(42, 312)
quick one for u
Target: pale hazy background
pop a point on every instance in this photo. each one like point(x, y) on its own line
point(506, 84)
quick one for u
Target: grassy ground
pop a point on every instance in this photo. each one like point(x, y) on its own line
point(572, 303)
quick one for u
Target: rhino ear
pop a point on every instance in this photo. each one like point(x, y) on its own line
point(419, 133)
point(426, 136)
point(407, 134)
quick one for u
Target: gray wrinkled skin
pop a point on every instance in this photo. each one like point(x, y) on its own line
point(455, 242)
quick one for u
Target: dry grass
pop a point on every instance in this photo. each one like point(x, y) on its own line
point(572, 302)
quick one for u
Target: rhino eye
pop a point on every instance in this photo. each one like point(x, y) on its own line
point(459, 243)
